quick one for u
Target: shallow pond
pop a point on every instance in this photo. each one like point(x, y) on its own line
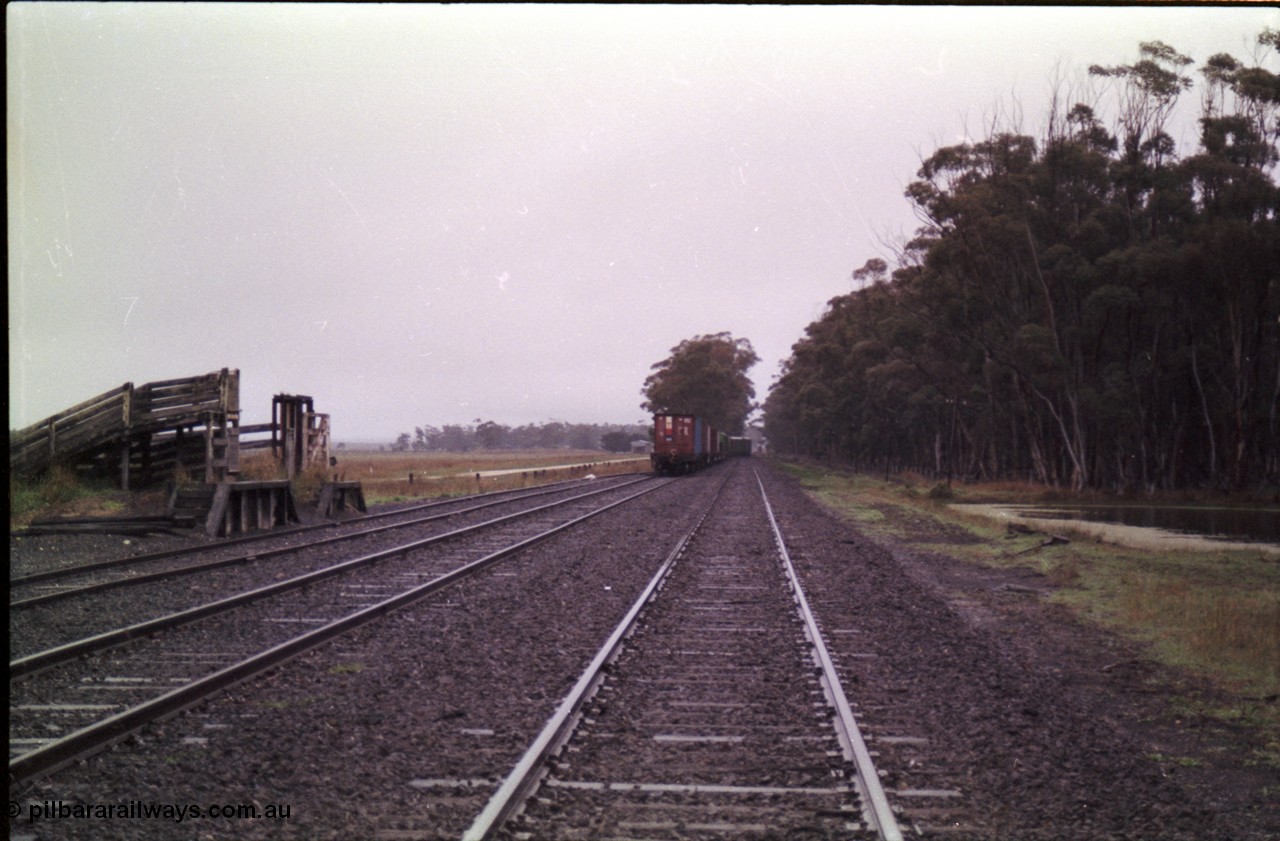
point(1236, 524)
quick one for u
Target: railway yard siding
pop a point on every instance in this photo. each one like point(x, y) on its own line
point(991, 715)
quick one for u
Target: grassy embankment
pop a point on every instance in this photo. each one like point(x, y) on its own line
point(61, 493)
point(1213, 612)
point(384, 477)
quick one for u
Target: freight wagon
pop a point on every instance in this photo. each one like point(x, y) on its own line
point(684, 443)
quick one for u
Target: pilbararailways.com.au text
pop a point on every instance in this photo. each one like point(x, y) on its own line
point(59, 810)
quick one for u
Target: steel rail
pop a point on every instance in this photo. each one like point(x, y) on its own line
point(95, 737)
point(161, 575)
point(528, 772)
point(94, 566)
point(40, 660)
point(876, 810)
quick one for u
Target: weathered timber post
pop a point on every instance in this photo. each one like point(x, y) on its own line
point(126, 418)
point(291, 415)
point(317, 439)
point(229, 398)
point(145, 441)
point(210, 475)
point(123, 451)
point(221, 424)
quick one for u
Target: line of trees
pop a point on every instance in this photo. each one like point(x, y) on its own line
point(552, 435)
point(1082, 308)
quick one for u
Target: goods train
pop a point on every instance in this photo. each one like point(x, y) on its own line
point(684, 443)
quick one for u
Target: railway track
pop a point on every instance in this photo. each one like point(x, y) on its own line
point(695, 726)
point(47, 586)
point(182, 586)
point(76, 698)
point(712, 711)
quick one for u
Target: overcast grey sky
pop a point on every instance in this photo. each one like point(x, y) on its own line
point(429, 214)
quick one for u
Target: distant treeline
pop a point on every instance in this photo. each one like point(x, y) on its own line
point(1083, 308)
point(553, 435)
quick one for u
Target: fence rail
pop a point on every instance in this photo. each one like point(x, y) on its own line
point(146, 430)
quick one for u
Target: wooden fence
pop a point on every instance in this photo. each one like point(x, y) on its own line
point(185, 428)
point(144, 432)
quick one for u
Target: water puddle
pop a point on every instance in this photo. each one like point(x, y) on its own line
point(1151, 526)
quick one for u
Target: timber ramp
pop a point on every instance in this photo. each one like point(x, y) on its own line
point(145, 432)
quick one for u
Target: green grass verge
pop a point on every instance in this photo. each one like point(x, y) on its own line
point(61, 492)
point(1214, 613)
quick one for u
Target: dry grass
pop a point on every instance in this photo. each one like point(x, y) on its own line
point(1235, 629)
point(385, 477)
point(259, 466)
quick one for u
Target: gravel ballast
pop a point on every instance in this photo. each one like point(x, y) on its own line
point(967, 681)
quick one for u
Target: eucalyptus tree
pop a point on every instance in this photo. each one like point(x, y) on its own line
point(1081, 307)
point(1232, 263)
point(705, 376)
